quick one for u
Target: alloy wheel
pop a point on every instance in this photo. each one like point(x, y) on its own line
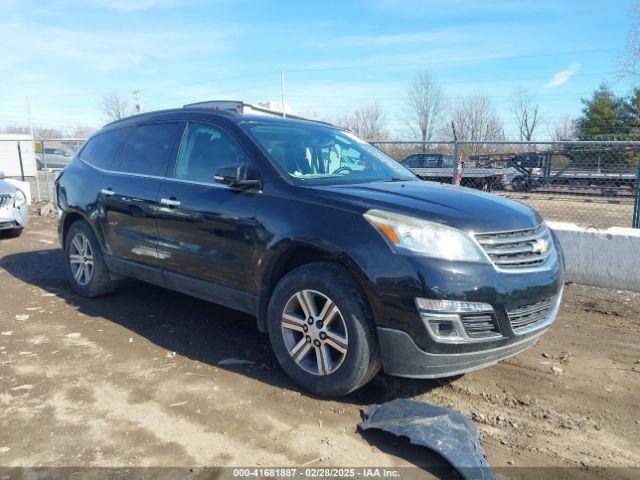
point(314, 332)
point(81, 259)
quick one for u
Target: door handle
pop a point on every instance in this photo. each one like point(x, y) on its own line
point(107, 192)
point(169, 202)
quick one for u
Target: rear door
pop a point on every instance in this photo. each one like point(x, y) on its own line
point(206, 230)
point(129, 193)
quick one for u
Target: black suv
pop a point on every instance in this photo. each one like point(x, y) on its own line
point(347, 260)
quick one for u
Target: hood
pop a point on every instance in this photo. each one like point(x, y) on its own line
point(462, 208)
point(7, 188)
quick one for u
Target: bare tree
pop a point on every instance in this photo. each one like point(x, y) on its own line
point(526, 112)
point(630, 64)
point(368, 122)
point(17, 130)
point(475, 120)
point(79, 131)
point(565, 130)
point(114, 107)
point(424, 107)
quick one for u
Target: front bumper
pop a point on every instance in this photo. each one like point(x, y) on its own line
point(410, 350)
point(14, 217)
point(401, 356)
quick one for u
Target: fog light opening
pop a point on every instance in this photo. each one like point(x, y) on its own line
point(443, 328)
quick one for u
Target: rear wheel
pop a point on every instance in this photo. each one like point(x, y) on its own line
point(86, 270)
point(321, 330)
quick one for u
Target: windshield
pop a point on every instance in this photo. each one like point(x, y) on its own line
point(318, 155)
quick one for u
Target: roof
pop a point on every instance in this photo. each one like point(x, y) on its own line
point(188, 111)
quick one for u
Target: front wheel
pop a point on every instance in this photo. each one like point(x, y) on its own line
point(12, 233)
point(321, 330)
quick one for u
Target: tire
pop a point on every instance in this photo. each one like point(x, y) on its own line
point(12, 233)
point(518, 185)
point(351, 329)
point(97, 281)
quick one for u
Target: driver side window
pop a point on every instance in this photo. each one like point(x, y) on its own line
point(205, 148)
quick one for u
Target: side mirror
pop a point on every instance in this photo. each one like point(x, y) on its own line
point(239, 175)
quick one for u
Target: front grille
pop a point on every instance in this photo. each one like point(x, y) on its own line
point(517, 249)
point(6, 201)
point(531, 314)
point(480, 326)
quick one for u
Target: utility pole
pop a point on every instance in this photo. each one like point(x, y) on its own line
point(282, 90)
point(33, 138)
point(136, 96)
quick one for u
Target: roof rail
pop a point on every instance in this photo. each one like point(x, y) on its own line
point(231, 106)
point(240, 108)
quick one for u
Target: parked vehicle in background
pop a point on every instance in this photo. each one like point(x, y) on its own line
point(14, 209)
point(53, 158)
point(346, 259)
point(574, 168)
point(438, 167)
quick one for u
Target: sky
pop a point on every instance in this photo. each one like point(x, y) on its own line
point(337, 55)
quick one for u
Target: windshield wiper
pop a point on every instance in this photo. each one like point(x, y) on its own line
point(396, 179)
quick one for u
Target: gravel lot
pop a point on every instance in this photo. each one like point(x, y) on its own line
point(135, 379)
point(586, 211)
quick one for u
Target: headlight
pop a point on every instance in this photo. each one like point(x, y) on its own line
point(431, 239)
point(19, 198)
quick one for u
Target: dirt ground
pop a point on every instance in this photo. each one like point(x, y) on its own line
point(138, 379)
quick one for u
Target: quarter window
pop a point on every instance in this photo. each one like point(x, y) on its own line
point(149, 149)
point(102, 150)
point(204, 150)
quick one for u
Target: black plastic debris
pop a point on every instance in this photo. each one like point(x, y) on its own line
point(446, 432)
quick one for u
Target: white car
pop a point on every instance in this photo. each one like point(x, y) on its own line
point(14, 209)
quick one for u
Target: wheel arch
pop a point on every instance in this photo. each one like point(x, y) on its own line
point(291, 254)
point(70, 218)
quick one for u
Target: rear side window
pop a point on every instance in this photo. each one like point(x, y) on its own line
point(102, 150)
point(413, 162)
point(149, 149)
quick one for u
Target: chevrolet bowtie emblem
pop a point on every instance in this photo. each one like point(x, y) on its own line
point(541, 245)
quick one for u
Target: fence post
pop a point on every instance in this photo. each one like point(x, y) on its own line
point(455, 150)
point(45, 169)
point(20, 160)
point(636, 205)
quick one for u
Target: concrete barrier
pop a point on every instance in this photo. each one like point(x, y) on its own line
point(602, 258)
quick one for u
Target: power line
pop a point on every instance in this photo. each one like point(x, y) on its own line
point(346, 67)
point(447, 62)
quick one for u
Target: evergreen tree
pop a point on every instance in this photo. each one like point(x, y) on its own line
point(633, 107)
point(605, 114)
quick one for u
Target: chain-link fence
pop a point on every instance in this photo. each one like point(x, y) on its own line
point(37, 162)
point(592, 184)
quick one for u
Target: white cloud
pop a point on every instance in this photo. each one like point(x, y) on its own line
point(563, 76)
point(104, 51)
point(431, 37)
point(440, 8)
point(126, 5)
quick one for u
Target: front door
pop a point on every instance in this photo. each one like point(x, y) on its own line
point(129, 193)
point(206, 230)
